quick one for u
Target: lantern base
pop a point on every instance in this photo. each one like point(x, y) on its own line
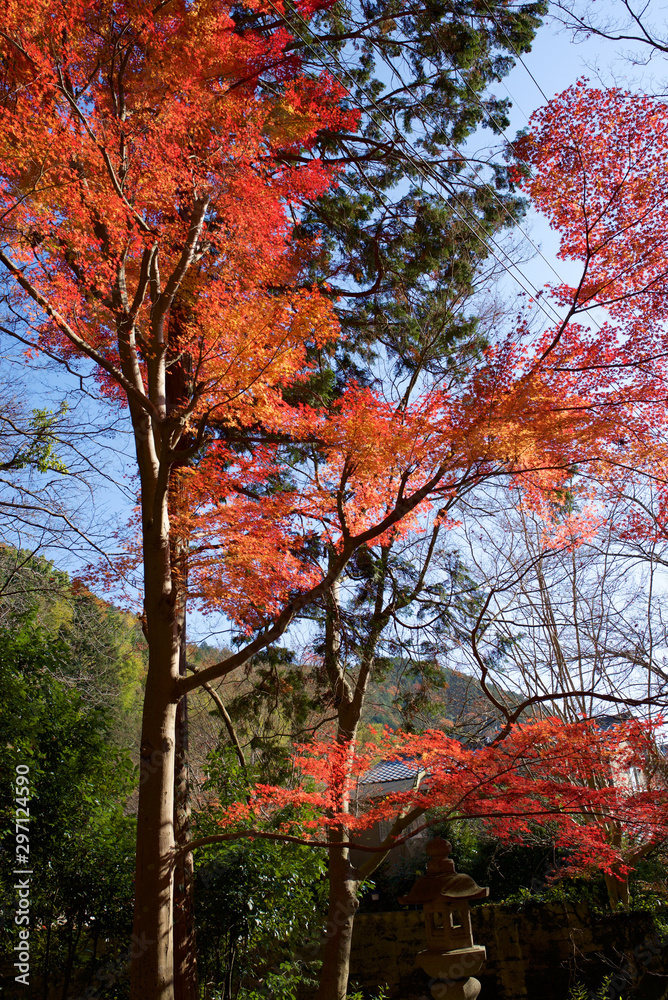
point(461, 989)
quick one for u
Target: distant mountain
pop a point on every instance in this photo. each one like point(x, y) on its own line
point(451, 700)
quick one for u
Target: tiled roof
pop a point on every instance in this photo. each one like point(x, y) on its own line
point(391, 770)
point(407, 770)
point(605, 721)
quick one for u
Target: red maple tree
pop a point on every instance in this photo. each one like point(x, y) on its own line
point(572, 776)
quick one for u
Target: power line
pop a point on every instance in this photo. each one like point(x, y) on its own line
point(452, 146)
point(418, 161)
point(497, 125)
point(423, 169)
point(518, 54)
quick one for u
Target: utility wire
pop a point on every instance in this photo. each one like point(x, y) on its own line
point(518, 54)
point(393, 68)
point(501, 131)
point(422, 168)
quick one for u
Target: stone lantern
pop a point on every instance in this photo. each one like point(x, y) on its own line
point(451, 958)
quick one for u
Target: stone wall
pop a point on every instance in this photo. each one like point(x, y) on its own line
point(535, 954)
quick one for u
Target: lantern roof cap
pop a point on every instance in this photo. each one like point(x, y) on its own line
point(441, 880)
point(449, 887)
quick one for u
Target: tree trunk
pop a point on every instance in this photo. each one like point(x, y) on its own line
point(618, 890)
point(343, 878)
point(93, 957)
point(165, 596)
point(72, 942)
point(185, 951)
point(229, 973)
point(616, 883)
point(343, 904)
point(152, 971)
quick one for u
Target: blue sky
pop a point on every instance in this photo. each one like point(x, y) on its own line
point(555, 62)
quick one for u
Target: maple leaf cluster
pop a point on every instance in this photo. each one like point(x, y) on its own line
point(364, 455)
point(148, 148)
point(594, 163)
point(568, 777)
point(598, 172)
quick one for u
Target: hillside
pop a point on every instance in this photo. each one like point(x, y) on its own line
point(273, 702)
point(106, 659)
point(453, 701)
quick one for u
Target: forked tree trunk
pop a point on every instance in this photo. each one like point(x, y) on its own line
point(348, 695)
point(342, 877)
